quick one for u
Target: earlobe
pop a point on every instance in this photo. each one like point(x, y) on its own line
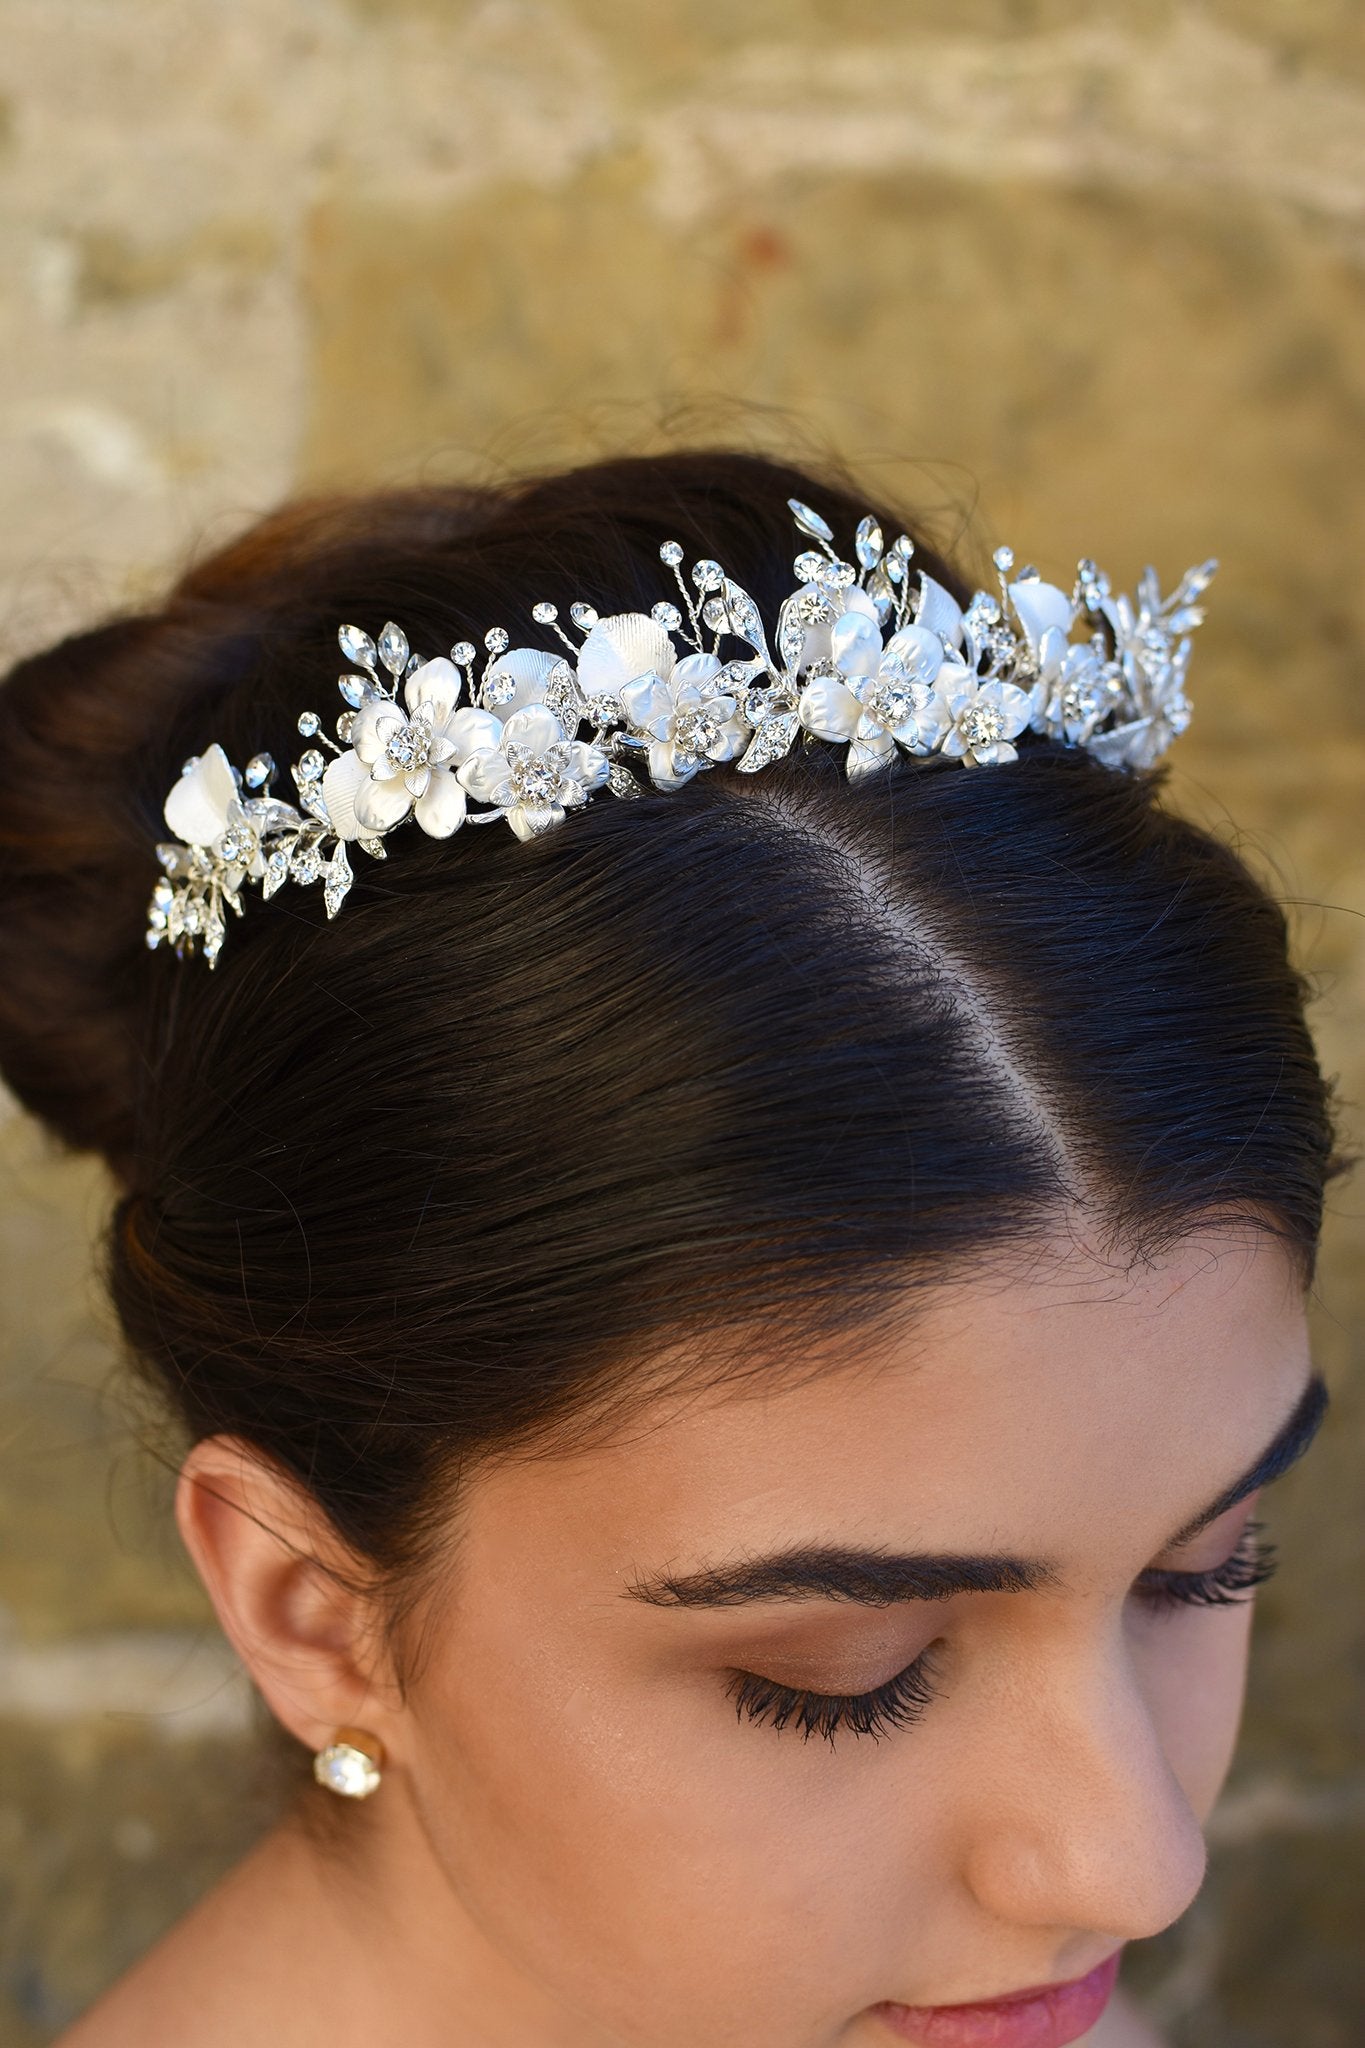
point(286, 1590)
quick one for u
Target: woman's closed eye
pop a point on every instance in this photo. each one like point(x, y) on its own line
point(895, 1704)
point(905, 1697)
point(1251, 1563)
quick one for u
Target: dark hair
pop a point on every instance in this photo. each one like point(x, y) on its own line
point(436, 1177)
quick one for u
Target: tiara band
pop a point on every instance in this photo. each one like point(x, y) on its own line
point(871, 655)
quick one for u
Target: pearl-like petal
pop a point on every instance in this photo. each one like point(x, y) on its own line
point(471, 731)
point(620, 648)
point(829, 708)
point(734, 734)
point(1054, 648)
point(956, 685)
point(375, 722)
point(646, 701)
point(857, 644)
point(918, 651)
point(1040, 605)
point(343, 777)
point(696, 669)
point(662, 768)
point(380, 805)
point(865, 755)
point(487, 776)
point(437, 684)
point(588, 764)
point(925, 727)
point(197, 808)
point(441, 809)
point(534, 726)
point(939, 611)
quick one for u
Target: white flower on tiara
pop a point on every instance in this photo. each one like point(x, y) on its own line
point(823, 609)
point(877, 697)
point(205, 809)
point(221, 841)
point(535, 772)
point(1076, 688)
point(876, 657)
point(676, 705)
point(983, 719)
point(400, 763)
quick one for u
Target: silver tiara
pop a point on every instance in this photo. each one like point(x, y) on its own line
point(869, 655)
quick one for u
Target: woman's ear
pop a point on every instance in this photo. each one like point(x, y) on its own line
point(281, 1581)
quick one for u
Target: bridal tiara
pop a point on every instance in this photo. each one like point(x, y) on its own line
point(872, 655)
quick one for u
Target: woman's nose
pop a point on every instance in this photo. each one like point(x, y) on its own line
point(1079, 1821)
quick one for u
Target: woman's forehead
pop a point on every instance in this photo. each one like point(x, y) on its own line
point(1040, 1414)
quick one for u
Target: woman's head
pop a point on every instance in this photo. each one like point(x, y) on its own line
point(929, 1162)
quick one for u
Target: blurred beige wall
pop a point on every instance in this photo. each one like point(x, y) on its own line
point(1089, 279)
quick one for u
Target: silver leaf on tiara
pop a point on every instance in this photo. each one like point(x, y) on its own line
point(875, 657)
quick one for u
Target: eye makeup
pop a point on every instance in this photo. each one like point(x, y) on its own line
point(904, 1699)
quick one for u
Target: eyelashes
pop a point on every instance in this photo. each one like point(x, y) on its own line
point(904, 1698)
point(1226, 1585)
point(900, 1701)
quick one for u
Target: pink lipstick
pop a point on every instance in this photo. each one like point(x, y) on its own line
point(1047, 2016)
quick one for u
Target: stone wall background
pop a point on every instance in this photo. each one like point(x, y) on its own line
point(1090, 278)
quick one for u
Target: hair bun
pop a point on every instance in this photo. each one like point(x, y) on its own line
point(93, 732)
point(78, 723)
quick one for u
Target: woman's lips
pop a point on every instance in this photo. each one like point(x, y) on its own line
point(1043, 2018)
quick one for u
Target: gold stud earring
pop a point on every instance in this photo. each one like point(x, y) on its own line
point(351, 1764)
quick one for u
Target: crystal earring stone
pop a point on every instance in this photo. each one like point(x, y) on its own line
point(350, 1764)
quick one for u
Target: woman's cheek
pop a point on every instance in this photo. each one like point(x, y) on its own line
point(728, 1877)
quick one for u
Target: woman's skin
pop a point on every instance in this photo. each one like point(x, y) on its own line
point(578, 1843)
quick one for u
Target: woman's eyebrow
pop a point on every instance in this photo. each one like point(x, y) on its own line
point(1283, 1450)
point(877, 1578)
